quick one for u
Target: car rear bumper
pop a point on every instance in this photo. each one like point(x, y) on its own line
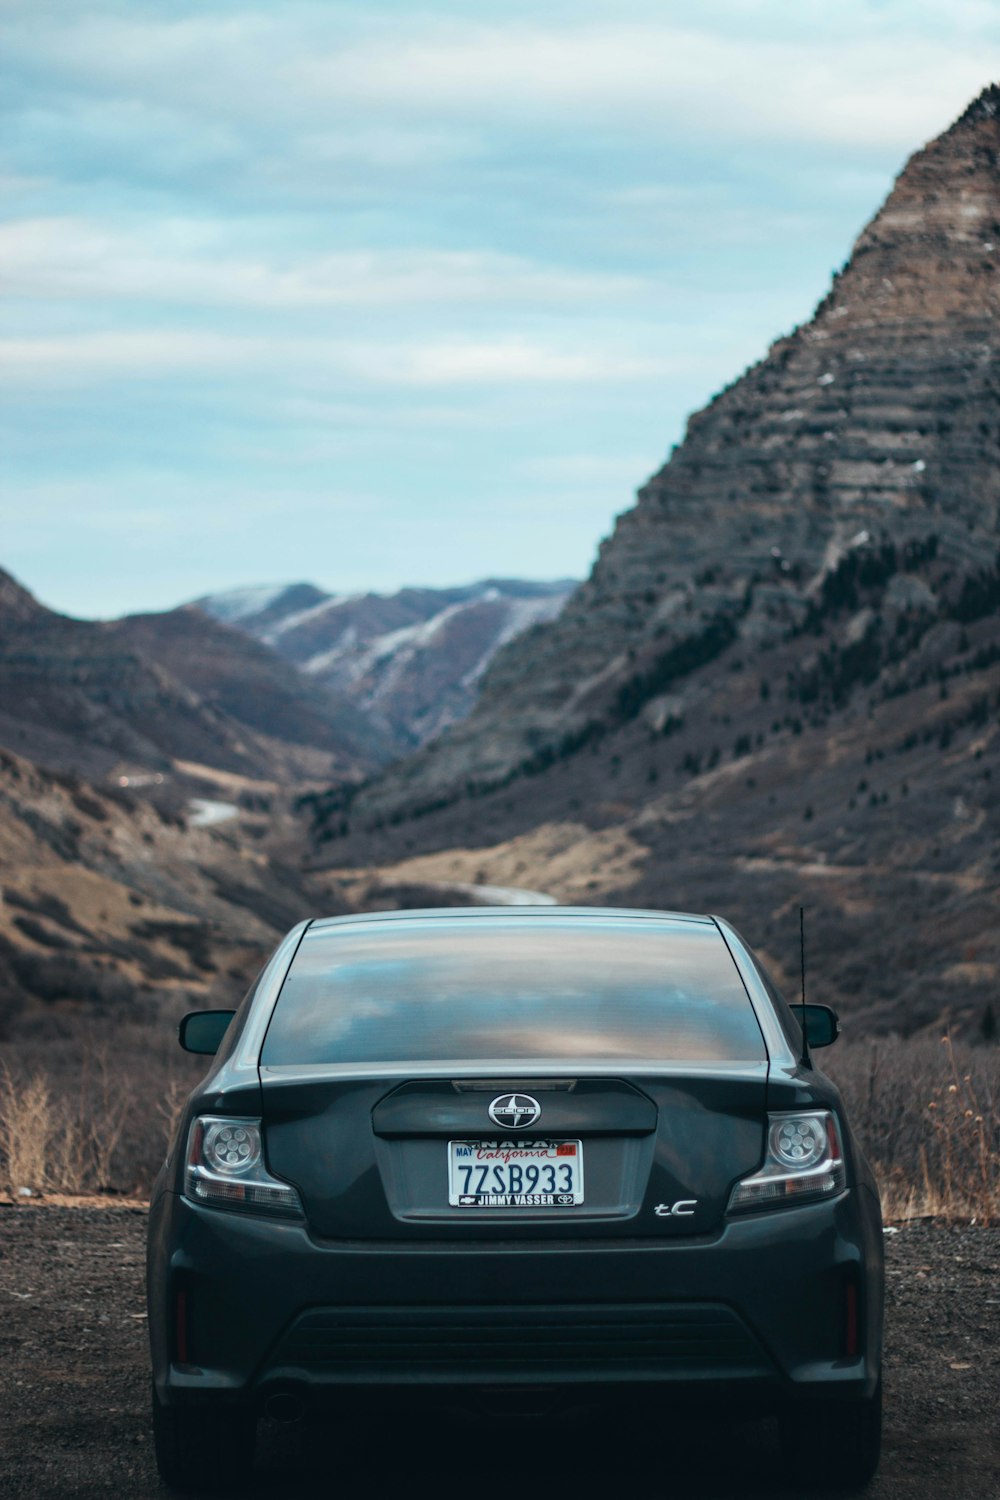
point(243, 1307)
point(564, 1344)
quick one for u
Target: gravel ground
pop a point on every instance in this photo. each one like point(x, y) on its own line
point(73, 1393)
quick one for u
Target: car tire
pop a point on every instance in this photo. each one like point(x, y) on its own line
point(202, 1450)
point(836, 1443)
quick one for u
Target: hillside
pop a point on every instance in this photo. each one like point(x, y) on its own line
point(140, 695)
point(112, 907)
point(409, 662)
point(249, 683)
point(780, 681)
point(115, 904)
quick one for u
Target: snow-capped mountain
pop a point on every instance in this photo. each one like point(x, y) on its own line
point(411, 660)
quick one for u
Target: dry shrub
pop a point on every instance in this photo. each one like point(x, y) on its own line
point(927, 1112)
point(25, 1131)
point(91, 1110)
point(62, 1142)
point(171, 1105)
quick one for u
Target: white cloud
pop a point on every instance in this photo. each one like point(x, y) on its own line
point(83, 359)
point(198, 263)
point(882, 76)
point(883, 90)
point(75, 359)
point(504, 362)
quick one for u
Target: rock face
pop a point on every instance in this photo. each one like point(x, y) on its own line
point(877, 424)
point(17, 606)
point(781, 683)
point(411, 662)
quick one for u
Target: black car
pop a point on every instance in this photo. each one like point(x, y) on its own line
point(575, 1150)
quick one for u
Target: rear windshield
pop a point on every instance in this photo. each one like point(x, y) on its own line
point(454, 991)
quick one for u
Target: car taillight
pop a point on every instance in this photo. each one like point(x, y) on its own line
point(225, 1167)
point(804, 1161)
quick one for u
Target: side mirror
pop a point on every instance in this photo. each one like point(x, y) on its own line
point(203, 1030)
point(822, 1025)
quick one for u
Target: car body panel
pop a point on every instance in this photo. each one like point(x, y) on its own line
point(249, 1282)
point(384, 1283)
point(356, 1178)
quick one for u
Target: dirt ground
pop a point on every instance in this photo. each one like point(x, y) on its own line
point(73, 1394)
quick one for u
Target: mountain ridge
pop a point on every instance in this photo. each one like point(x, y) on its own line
point(780, 684)
point(139, 695)
point(242, 678)
point(833, 433)
point(410, 661)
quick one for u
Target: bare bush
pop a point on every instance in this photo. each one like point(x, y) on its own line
point(25, 1130)
point(170, 1106)
point(63, 1141)
point(927, 1113)
point(91, 1110)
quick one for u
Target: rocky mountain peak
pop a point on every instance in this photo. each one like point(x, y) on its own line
point(933, 249)
point(985, 106)
point(871, 432)
point(17, 606)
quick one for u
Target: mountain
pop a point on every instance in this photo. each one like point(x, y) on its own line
point(410, 662)
point(780, 681)
point(113, 903)
point(111, 906)
point(17, 606)
point(93, 697)
point(237, 676)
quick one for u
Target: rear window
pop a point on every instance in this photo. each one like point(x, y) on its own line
point(479, 992)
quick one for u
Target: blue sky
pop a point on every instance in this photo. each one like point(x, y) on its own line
point(390, 293)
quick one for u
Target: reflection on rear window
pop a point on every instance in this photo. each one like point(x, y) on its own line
point(451, 990)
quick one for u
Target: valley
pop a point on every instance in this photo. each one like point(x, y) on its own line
point(779, 686)
point(153, 844)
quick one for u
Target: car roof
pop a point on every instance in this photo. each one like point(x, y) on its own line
point(581, 914)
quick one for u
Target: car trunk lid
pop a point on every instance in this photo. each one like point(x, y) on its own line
point(371, 1156)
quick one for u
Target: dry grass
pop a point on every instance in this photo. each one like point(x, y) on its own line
point(928, 1115)
point(25, 1131)
point(91, 1111)
point(65, 1142)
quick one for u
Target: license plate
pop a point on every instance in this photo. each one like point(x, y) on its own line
point(515, 1174)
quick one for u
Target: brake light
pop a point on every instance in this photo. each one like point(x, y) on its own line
point(225, 1168)
point(804, 1161)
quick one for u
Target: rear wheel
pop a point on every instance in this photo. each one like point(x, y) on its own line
point(202, 1450)
point(836, 1443)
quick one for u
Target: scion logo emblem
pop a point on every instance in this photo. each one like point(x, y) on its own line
point(514, 1111)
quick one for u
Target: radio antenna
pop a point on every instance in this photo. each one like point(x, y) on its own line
point(805, 1059)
